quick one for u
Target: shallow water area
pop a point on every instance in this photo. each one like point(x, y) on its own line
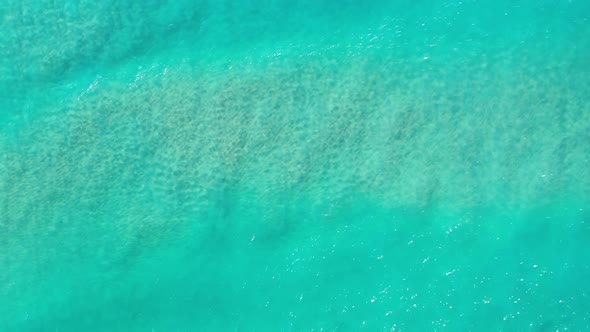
point(274, 165)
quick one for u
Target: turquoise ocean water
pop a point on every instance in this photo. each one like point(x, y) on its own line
point(275, 165)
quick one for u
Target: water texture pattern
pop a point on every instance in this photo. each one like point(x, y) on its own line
point(302, 165)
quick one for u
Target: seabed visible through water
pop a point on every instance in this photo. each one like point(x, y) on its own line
point(294, 165)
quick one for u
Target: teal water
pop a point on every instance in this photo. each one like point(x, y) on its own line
point(302, 165)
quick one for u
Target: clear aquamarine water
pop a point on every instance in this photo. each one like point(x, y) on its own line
point(294, 165)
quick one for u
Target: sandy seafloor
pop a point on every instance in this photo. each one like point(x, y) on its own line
point(280, 165)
